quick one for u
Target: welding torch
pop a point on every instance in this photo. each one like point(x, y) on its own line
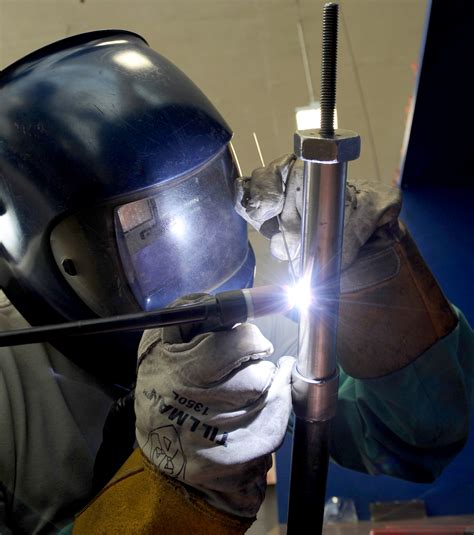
point(223, 310)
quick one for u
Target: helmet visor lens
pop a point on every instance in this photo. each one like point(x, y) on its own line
point(179, 237)
point(183, 238)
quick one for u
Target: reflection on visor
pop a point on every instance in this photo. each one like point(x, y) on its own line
point(184, 238)
point(134, 214)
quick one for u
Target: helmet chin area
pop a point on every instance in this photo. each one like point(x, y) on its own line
point(142, 252)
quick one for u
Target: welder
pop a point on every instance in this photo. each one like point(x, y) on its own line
point(117, 196)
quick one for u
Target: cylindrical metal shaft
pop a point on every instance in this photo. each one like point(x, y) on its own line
point(323, 219)
point(315, 377)
point(329, 68)
point(310, 463)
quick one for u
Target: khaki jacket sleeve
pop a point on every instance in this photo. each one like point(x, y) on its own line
point(140, 500)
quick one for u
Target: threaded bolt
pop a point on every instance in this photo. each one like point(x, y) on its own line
point(328, 69)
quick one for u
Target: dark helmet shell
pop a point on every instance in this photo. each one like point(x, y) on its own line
point(89, 119)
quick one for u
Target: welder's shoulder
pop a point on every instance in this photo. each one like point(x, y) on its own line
point(141, 500)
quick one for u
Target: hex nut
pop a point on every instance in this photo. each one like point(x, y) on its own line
point(344, 146)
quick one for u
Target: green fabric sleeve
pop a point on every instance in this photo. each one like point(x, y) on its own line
point(66, 530)
point(411, 423)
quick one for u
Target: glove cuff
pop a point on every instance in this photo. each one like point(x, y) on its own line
point(386, 326)
point(141, 500)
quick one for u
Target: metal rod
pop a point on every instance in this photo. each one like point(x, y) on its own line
point(321, 248)
point(310, 459)
point(329, 68)
point(257, 144)
point(235, 159)
point(315, 377)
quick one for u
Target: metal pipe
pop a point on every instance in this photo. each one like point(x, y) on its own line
point(325, 153)
point(323, 219)
point(310, 463)
point(315, 378)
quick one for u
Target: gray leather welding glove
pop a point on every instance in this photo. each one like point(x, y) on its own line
point(278, 190)
point(210, 411)
point(391, 308)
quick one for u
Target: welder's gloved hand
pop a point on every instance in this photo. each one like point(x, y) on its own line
point(278, 190)
point(210, 411)
point(391, 309)
point(269, 192)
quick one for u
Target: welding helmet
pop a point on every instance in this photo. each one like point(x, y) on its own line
point(116, 184)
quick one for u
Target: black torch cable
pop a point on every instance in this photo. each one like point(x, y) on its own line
point(128, 322)
point(223, 310)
